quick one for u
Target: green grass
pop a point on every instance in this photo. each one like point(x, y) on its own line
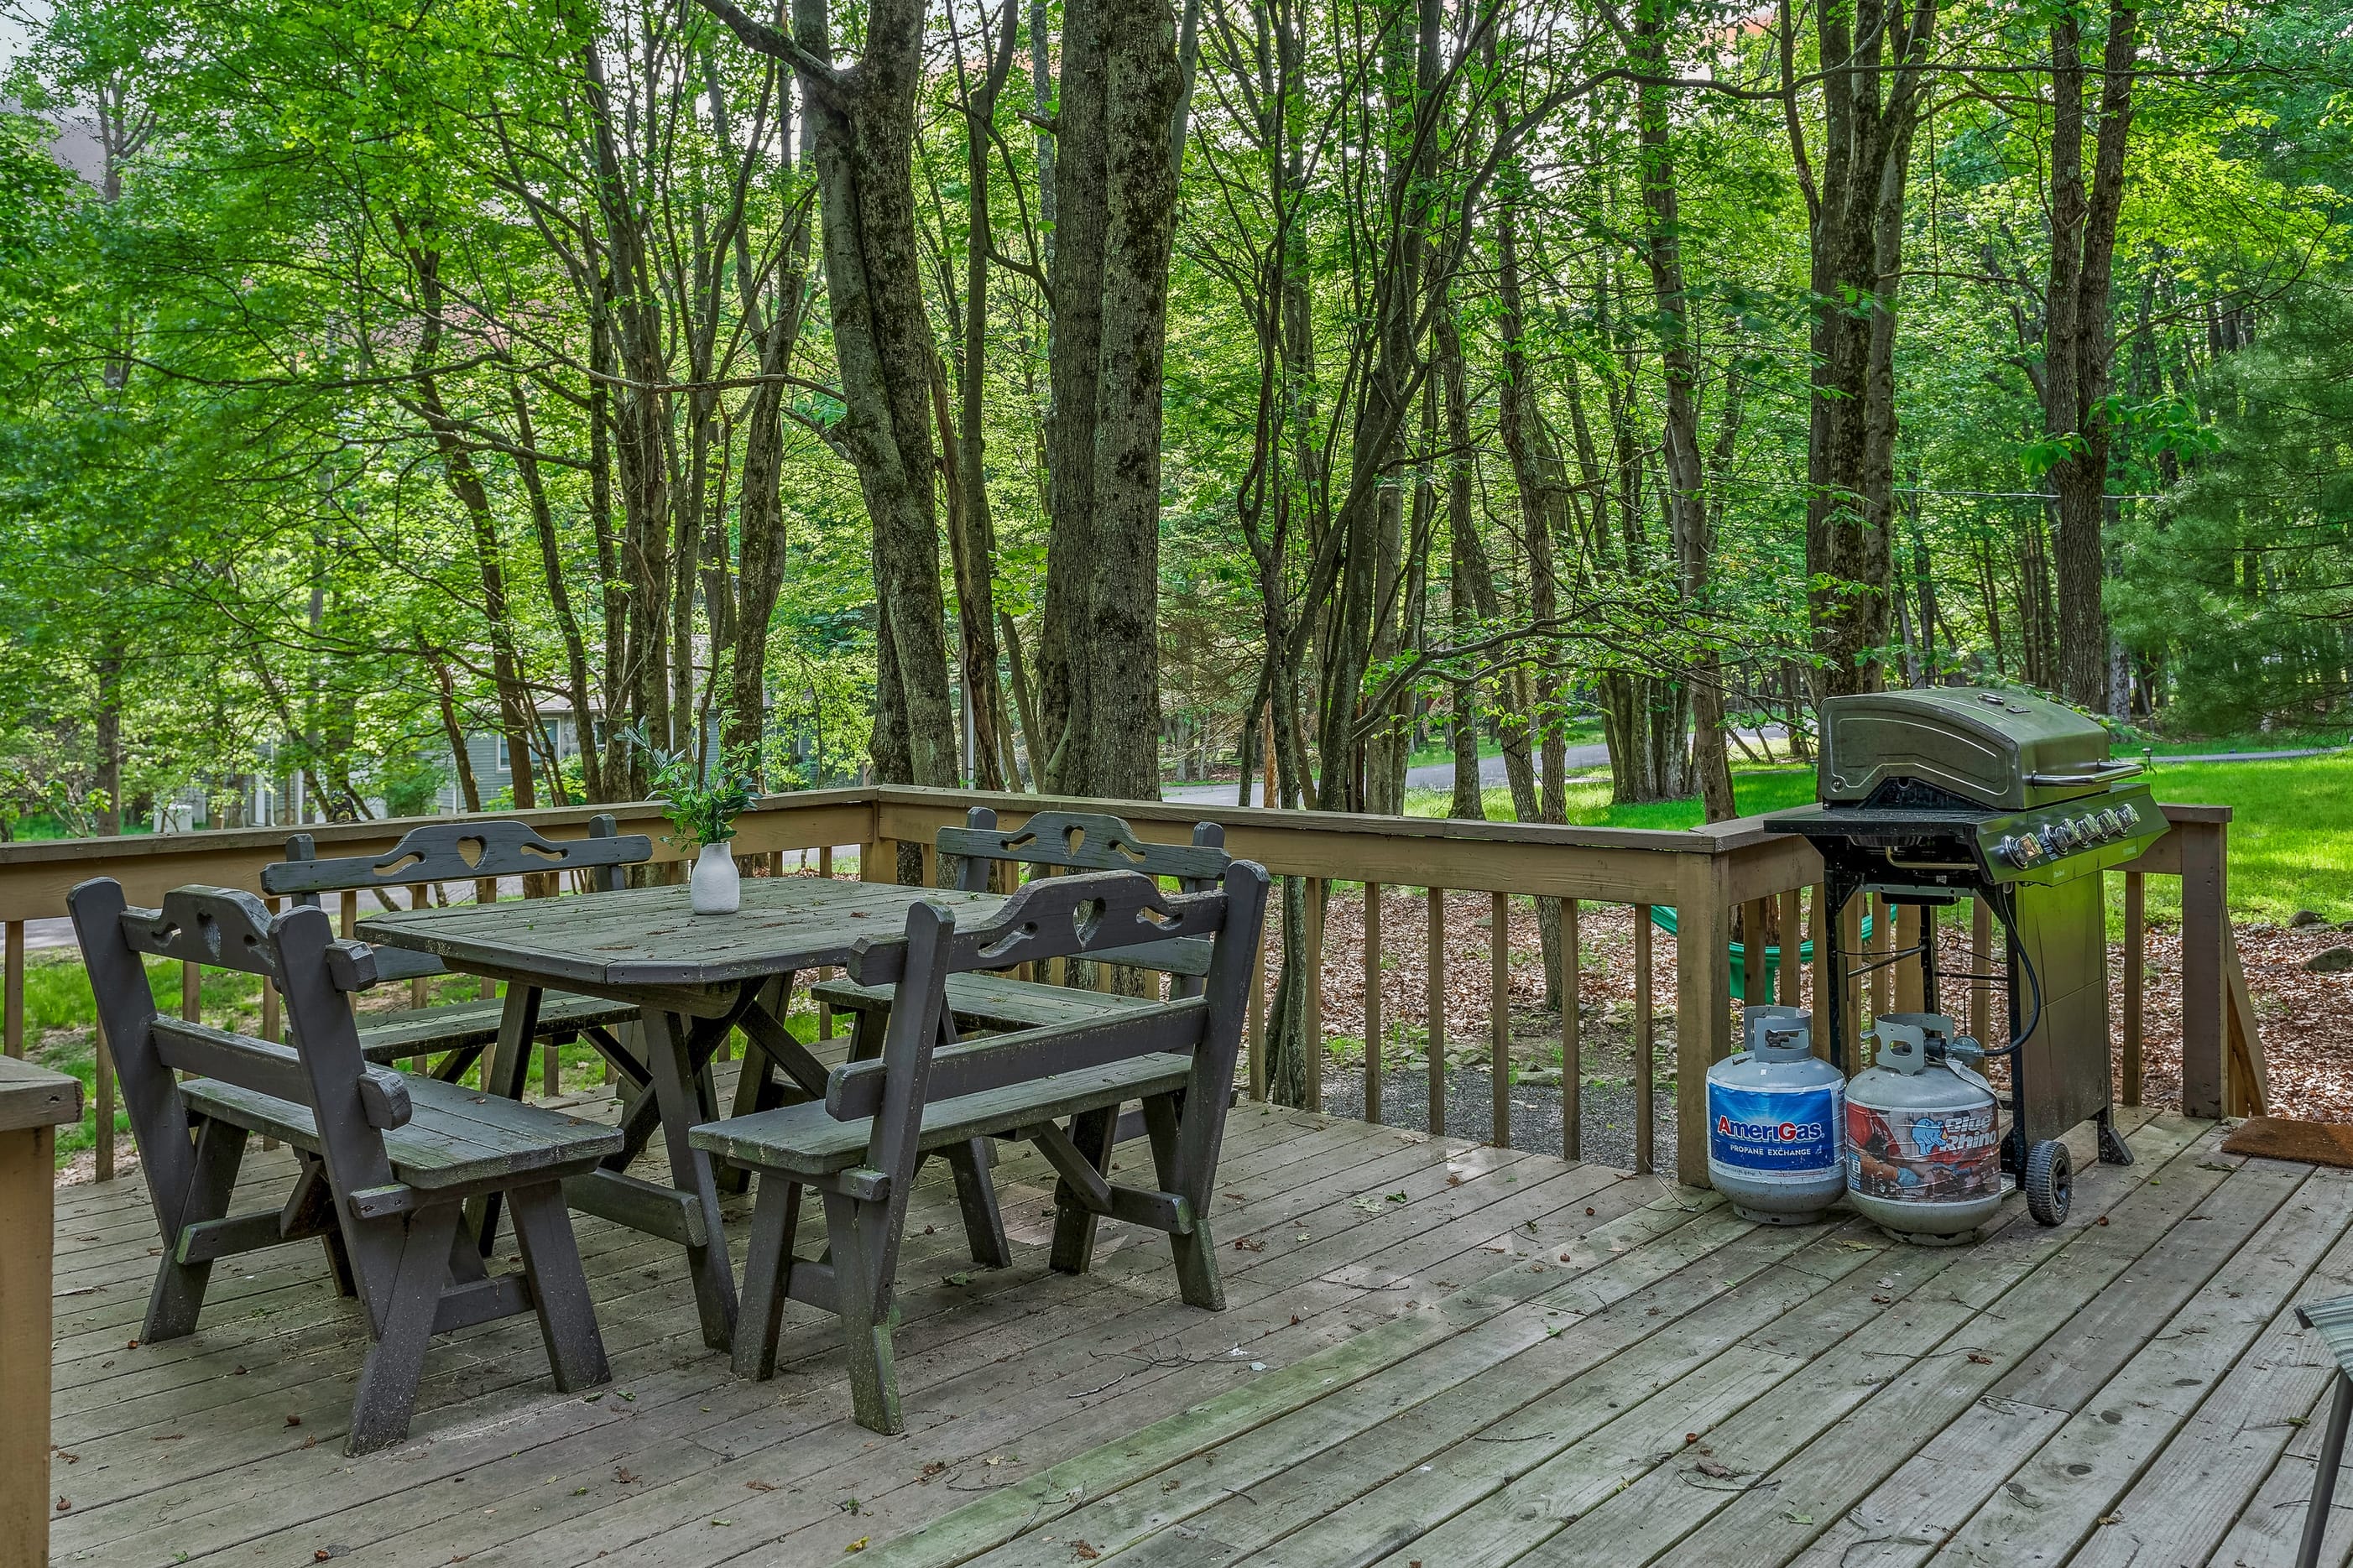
point(2291, 833)
point(1754, 789)
point(1584, 731)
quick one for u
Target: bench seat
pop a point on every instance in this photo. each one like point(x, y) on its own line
point(455, 1137)
point(462, 1025)
point(805, 1140)
point(983, 1001)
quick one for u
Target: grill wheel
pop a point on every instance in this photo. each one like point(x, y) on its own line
point(2050, 1181)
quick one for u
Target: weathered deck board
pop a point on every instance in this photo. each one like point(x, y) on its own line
point(1432, 1353)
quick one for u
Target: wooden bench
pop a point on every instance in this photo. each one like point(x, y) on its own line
point(860, 1145)
point(459, 1032)
point(1050, 843)
point(387, 1161)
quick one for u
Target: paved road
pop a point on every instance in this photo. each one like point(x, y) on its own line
point(1430, 776)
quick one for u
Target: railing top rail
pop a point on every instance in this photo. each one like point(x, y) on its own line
point(271, 841)
point(1617, 864)
point(1719, 838)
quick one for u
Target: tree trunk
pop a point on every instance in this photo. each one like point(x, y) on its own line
point(1874, 81)
point(1080, 180)
point(106, 724)
point(1144, 84)
point(2079, 349)
point(861, 142)
point(640, 419)
point(974, 543)
point(559, 599)
point(1686, 482)
point(1462, 609)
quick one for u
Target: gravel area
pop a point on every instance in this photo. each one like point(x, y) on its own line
point(1607, 1106)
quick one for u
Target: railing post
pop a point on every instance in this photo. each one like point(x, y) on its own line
point(1754, 986)
point(1792, 947)
point(2204, 910)
point(1372, 1003)
point(1499, 1013)
point(11, 989)
point(1434, 969)
point(1645, 1047)
point(1850, 945)
point(419, 989)
point(1980, 966)
point(1908, 923)
point(1882, 944)
point(103, 1111)
point(1572, 1051)
point(1818, 984)
point(1312, 950)
point(32, 1101)
point(824, 1010)
point(1258, 1021)
point(2136, 986)
point(1703, 1005)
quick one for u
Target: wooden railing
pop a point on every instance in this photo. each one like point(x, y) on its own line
point(1462, 870)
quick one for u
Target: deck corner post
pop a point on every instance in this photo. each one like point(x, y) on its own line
point(34, 1102)
point(2204, 931)
point(1702, 1003)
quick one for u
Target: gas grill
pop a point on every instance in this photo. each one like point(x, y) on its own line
point(1931, 795)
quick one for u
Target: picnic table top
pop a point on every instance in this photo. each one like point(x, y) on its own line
point(650, 936)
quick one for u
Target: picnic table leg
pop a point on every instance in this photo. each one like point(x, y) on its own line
point(983, 1223)
point(757, 1089)
point(668, 1057)
point(506, 1072)
point(2324, 1478)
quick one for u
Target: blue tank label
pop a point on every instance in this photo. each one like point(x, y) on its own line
point(1774, 1131)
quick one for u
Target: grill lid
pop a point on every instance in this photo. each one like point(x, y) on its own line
point(2003, 751)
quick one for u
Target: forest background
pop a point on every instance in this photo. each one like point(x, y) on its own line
point(1070, 394)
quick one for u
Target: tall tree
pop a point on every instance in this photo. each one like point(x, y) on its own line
point(1115, 213)
point(1874, 56)
point(2078, 341)
point(1687, 511)
point(862, 119)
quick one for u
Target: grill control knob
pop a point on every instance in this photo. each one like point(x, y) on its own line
point(2112, 823)
point(2129, 814)
point(2017, 852)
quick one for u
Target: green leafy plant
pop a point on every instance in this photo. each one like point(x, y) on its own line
point(701, 798)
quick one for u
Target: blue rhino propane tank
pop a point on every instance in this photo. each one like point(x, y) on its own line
point(1923, 1152)
point(1774, 1115)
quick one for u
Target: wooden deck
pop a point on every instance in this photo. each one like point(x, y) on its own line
point(1440, 1354)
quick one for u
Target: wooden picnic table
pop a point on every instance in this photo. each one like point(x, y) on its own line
point(697, 978)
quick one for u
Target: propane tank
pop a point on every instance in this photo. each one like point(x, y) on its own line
point(1774, 1111)
point(1922, 1153)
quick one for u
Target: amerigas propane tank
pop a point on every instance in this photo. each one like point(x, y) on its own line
point(1774, 1111)
point(1923, 1156)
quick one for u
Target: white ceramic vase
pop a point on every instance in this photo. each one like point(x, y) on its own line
point(716, 888)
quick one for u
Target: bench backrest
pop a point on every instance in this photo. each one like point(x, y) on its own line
point(353, 1103)
point(455, 852)
point(1092, 914)
point(1058, 842)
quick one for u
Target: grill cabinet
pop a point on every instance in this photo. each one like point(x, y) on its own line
point(1929, 796)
